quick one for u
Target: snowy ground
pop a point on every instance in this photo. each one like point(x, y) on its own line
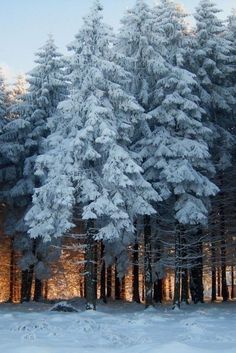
point(120, 328)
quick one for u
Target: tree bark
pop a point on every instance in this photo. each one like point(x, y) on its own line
point(196, 273)
point(184, 288)
point(158, 291)
point(103, 276)
point(232, 282)
point(26, 284)
point(184, 271)
point(218, 283)
point(117, 286)
point(148, 262)
point(176, 301)
point(136, 296)
point(109, 281)
point(12, 274)
point(89, 267)
point(213, 272)
point(224, 289)
point(38, 288)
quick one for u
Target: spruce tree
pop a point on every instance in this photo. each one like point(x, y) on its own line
point(210, 60)
point(22, 141)
point(95, 168)
point(3, 101)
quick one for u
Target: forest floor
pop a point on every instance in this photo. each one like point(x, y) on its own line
point(118, 328)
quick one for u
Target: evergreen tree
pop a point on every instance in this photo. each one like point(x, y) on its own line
point(211, 61)
point(95, 168)
point(3, 103)
point(137, 52)
point(175, 152)
point(22, 141)
point(15, 96)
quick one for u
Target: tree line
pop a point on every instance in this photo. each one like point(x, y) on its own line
point(132, 133)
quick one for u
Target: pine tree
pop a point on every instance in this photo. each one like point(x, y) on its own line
point(3, 105)
point(136, 51)
point(95, 167)
point(211, 62)
point(15, 96)
point(176, 154)
point(22, 141)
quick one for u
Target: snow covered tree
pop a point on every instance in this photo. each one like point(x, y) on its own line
point(22, 140)
point(3, 97)
point(15, 96)
point(210, 59)
point(94, 166)
point(171, 139)
point(231, 37)
point(136, 51)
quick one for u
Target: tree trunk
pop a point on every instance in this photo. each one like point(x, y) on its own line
point(218, 283)
point(12, 274)
point(136, 296)
point(224, 291)
point(123, 288)
point(213, 273)
point(103, 276)
point(109, 281)
point(46, 290)
point(26, 284)
point(196, 273)
point(89, 268)
point(158, 291)
point(184, 288)
point(38, 288)
point(232, 282)
point(148, 262)
point(170, 288)
point(176, 301)
point(117, 286)
point(184, 271)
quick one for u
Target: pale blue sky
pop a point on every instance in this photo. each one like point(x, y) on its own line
point(25, 24)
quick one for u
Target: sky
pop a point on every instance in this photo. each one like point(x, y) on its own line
point(25, 25)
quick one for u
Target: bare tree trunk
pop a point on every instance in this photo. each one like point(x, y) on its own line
point(26, 284)
point(103, 276)
point(12, 274)
point(109, 281)
point(117, 286)
point(170, 288)
point(184, 271)
point(46, 290)
point(123, 288)
point(158, 291)
point(184, 288)
point(38, 288)
point(218, 283)
point(196, 273)
point(148, 262)
point(89, 268)
point(176, 301)
point(136, 296)
point(232, 282)
point(213, 272)
point(225, 292)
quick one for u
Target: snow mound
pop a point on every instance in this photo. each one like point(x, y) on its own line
point(64, 307)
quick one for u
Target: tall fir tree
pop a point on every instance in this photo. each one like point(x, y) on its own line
point(22, 141)
point(96, 168)
point(174, 148)
point(210, 60)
